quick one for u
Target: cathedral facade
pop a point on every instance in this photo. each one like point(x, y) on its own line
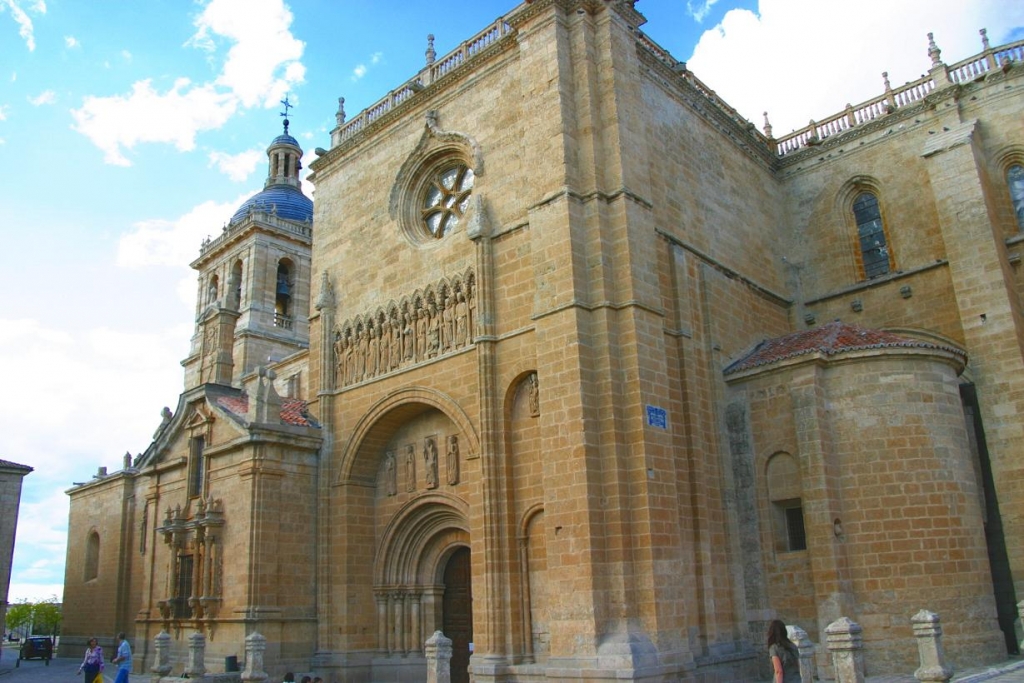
point(570, 362)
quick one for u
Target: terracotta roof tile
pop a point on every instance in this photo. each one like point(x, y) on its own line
point(293, 410)
point(830, 339)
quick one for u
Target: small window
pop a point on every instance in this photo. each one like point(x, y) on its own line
point(183, 589)
point(786, 499)
point(795, 528)
point(871, 234)
point(196, 467)
point(236, 280)
point(1015, 181)
point(92, 556)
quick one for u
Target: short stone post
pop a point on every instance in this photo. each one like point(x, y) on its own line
point(798, 637)
point(845, 644)
point(439, 658)
point(196, 655)
point(928, 632)
point(255, 646)
point(162, 645)
point(1018, 623)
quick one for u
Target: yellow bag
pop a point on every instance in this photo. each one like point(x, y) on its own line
point(99, 678)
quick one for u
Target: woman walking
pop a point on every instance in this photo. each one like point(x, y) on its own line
point(784, 656)
point(92, 663)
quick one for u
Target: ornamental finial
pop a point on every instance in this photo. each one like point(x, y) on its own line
point(933, 50)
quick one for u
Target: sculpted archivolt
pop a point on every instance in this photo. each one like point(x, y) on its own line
point(429, 324)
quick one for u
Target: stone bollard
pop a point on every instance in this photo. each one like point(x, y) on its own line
point(196, 655)
point(439, 658)
point(798, 637)
point(1018, 623)
point(255, 646)
point(845, 645)
point(162, 645)
point(929, 647)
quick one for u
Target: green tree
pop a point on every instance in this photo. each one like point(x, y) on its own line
point(47, 617)
point(19, 615)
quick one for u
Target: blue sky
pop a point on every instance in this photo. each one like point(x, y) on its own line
point(131, 131)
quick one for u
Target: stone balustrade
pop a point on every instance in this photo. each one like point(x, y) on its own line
point(965, 71)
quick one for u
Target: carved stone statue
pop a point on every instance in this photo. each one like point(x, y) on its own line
point(452, 460)
point(430, 461)
point(534, 396)
point(448, 323)
point(410, 467)
point(390, 474)
point(461, 320)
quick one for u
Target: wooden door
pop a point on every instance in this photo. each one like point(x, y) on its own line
point(457, 612)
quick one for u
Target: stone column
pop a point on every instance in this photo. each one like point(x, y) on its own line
point(162, 645)
point(846, 647)
point(399, 605)
point(196, 655)
point(439, 658)
point(255, 646)
point(798, 637)
point(414, 613)
point(929, 647)
point(382, 620)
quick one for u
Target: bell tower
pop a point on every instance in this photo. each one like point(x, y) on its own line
point(252, 305)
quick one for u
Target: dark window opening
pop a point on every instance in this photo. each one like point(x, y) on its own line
point(196, 467)
point(873, 249)
point(283, 298)
point(1015, 182)
point(795, 533)
point(183, 589)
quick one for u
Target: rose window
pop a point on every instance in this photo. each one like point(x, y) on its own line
point(446, 200)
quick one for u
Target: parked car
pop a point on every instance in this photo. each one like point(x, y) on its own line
point(36, 647)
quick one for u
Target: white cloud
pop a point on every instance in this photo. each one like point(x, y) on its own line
point(260, 67)
point(262, 45)
point(45, 97)
point(174, 243)
point(71, 42)
point(174, 116)
point(100, 396)
point(797, 62)
point(3, 112)
point(24, 21)
point(238, 167)
point(126, 56)
point(361, 69)
point(699, 10)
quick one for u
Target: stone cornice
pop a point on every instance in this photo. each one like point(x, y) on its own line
point(737, 133)
point(421, 98)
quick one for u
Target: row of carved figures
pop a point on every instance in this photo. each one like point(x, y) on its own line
point(430, 465)
point(372, 346)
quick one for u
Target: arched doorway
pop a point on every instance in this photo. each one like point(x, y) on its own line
point(457, 612)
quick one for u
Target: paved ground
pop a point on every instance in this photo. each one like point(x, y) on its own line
point(63, 670)
point(60, 670)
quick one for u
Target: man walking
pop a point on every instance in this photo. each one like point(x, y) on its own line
point(123, 659)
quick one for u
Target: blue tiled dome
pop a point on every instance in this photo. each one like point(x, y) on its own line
point(288, 201)
point(285, 140)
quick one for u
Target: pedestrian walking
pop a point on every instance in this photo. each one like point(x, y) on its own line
point(92, 663)
point(123, 659)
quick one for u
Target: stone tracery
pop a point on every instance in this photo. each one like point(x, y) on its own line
point(429, 324)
